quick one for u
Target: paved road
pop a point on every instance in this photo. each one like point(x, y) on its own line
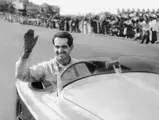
point(86, 46)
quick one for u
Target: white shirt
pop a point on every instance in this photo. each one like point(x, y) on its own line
point(153, 24)
point(145, 26)
point(47, 70)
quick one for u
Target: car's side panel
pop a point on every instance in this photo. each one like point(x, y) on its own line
point(33, 101)
point(47, 106)
point(125, 96)
point(22, 112)
point(68, 110)
point(76, 112)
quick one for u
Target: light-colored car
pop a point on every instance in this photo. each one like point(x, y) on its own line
point(126, 88)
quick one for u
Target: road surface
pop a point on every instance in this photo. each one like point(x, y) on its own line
point(86, 46)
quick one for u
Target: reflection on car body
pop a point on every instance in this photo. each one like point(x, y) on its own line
point(95, 89)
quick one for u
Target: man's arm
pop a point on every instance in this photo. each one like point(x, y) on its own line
point(22, 71)
point(22, 67)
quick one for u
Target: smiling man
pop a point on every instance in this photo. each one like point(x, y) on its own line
point(47, 70)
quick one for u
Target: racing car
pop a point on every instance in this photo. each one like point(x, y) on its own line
point(126, 88)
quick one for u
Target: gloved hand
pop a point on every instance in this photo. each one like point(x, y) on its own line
point(29, 40)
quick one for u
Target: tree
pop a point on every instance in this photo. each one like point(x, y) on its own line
point(11, 8)
point(41, 10)
point(49, 9)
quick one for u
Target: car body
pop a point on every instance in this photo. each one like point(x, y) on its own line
point(126, 88)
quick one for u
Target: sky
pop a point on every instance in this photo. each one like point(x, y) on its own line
point(96, 6)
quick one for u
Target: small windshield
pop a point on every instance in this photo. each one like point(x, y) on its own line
point(87, 68)
point(78, 70)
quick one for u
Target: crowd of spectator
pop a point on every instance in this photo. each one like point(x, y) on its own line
point(142, 26)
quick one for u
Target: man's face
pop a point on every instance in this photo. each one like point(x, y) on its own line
point(62, 48)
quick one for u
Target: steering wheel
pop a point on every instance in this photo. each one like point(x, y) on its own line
point(92, 67)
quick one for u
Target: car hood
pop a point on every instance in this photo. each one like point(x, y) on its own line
point(126, 96)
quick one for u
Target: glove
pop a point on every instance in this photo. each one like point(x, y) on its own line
point(29, 40)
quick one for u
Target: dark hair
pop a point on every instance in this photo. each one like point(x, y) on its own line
point(64, 35)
